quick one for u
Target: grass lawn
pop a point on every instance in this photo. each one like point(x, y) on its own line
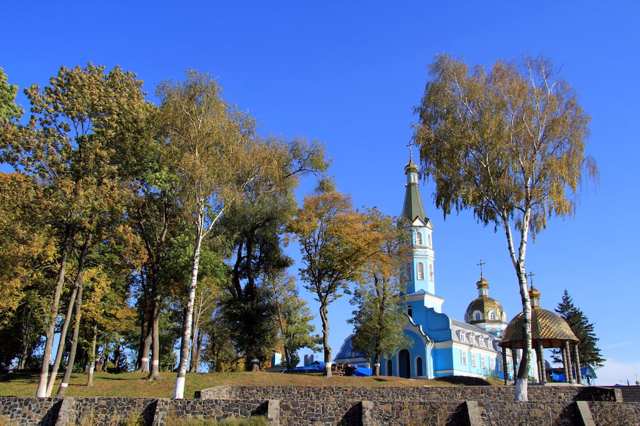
point(136, 384)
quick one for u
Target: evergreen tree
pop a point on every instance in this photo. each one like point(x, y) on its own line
point(590, 353)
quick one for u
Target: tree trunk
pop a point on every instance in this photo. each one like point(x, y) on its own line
point(518, 261)
point(188, 319)
point(74, 343)
point(155, 337)
point(521, 388)
point(92, 356)
point(325, 339)
point(146, 348)
point(26, 341)
point(62, 341)
point(142, 359)
point(193, 368)
point(376, 364)
point(53, 314)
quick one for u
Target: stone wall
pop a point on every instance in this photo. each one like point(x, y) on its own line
point(89, 411)
point(425, 393)
point(534, 413)
point(630, 393)
point(621, 413)
point(341, 408)
point(418, 413)
point(29, 411)
point(169, 409)
point(331, 412)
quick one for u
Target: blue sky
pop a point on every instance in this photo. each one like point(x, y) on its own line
point(349, 74)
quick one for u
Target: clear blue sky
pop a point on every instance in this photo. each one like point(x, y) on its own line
point(349, 74)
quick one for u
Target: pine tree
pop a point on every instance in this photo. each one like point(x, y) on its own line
point(590, 353)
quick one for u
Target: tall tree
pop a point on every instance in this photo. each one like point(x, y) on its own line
point(27, 264)
point(508, 144)
point(293, 318)
point(255, 227)
point(211, 144)
point(83, 126)
point(9, 110)
point(380, 316)
point(334, 242)
point(590, 353)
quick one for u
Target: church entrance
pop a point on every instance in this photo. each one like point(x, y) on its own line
point(404, 361)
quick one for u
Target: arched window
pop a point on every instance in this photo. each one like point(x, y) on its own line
point(419, 238)
point(477, 316)
point(420, 271)
point(389, 368)
point(419, 366)
point(492, 315)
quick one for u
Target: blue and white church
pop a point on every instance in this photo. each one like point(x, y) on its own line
point(439, 346)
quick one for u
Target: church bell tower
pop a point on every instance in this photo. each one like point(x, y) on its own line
point(420, 271)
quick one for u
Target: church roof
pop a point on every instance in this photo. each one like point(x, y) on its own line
point(412, 207)
point(546, 327)
point(347, 352)
point(485, 305)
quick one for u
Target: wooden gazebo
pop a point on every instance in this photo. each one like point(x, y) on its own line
point(548, 331)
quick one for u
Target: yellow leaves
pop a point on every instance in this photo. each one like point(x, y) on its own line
point(508, 139)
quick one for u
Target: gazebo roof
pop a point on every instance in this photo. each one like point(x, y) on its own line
point(546, 327)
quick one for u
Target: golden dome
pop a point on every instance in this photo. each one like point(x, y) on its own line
point(546, 326)
point(484, 309)
point(490, 310)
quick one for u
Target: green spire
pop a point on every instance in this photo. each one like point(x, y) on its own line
point(412, 203)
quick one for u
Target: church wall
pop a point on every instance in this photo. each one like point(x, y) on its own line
point(434, 324)
point(417, 349)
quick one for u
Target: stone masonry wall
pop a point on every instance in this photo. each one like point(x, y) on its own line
point(29, 411)
point(331, 412)
point(335, 409)
point(169, 409)
point(419, 413)
point(621, 413)
point(111, 411)
point(532, 413)
point(453, 393)
point(630, 393)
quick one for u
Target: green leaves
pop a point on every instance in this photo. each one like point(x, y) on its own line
point(9, 110)
point(590, 353)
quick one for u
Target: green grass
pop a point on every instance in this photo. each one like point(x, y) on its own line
point(136, 384)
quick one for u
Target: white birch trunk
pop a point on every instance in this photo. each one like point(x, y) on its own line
point(46, 357)
point(61, 342)
point(518, 260)
point(188, 320)
point(92, 356)
point(74, 343)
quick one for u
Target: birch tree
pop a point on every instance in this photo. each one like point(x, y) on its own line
point(508, 144)
point(211, 144)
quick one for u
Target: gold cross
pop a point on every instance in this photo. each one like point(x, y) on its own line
point(481, 264)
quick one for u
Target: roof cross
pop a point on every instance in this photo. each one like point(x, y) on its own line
point(410, 145)
point(481, 264)
point(531, 275)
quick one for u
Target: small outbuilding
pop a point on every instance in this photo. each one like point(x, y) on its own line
point(549, 331)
